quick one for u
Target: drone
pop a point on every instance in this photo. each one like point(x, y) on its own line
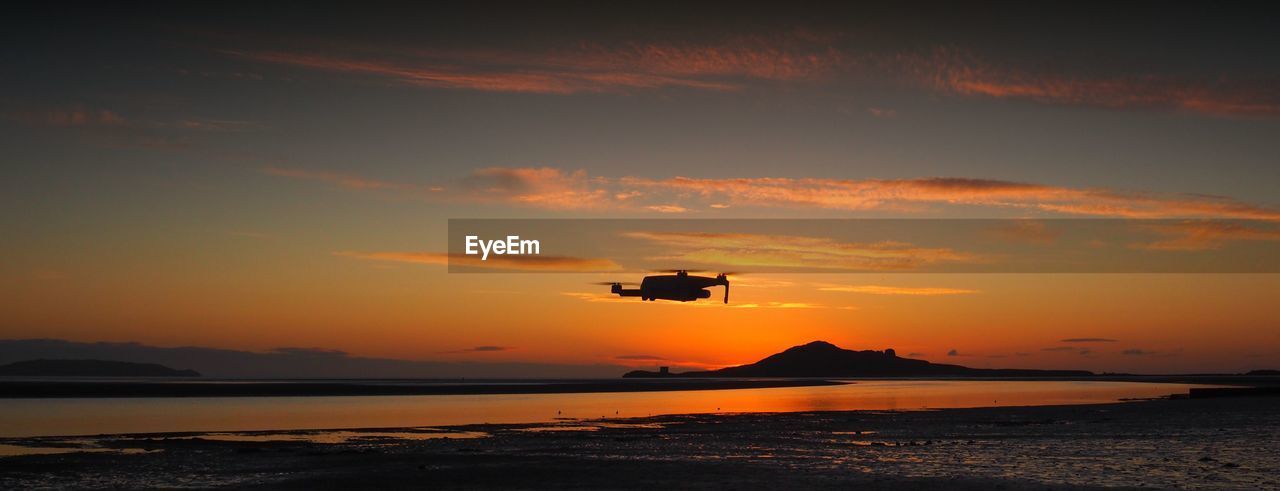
point(678, 286)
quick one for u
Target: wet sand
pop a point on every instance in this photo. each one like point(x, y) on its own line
point(1226, 443)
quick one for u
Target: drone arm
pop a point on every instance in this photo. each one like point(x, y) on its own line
point(726, 292)
point(627, 292)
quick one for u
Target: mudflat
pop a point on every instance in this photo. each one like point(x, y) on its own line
point(1226, 443)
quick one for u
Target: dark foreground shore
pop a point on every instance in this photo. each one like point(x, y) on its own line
point(1227, 443)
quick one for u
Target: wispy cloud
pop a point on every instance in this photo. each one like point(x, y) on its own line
point(640, 358)
point(962, 73)
point(554, 189)
point(1203, 235)
point(733, 249)
point(734, 63)
point(896, 290)
point(722, 65)
point(519, 263)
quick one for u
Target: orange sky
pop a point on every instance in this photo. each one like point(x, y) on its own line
point(255, 182)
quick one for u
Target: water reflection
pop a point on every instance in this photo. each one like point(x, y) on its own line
point(47, 417)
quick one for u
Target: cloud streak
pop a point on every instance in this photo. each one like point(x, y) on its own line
point(961, 73)
point(896, 290)
point(737, 62)
point(1204, 235)
point(514, 263)
point(760, 250)
point(725, 65)
point(554, 189)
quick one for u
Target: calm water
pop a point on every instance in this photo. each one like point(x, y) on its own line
point(50, 417)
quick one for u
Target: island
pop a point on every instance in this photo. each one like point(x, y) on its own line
point(823, 359)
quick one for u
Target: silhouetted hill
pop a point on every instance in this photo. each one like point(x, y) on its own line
point(291, 362)
point(1264, 372)
point(823, 359)
point(91, 368)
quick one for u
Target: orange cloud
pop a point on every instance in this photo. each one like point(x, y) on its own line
point(552, 188)
point(515, 263)
point(731, 249)
point(1205, 235)
point(962, 74)
point(720, 66)
point(896, 290)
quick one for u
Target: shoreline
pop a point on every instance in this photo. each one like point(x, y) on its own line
point(49, 388)
point(1181, 443)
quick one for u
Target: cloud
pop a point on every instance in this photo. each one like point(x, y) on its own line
point(1059, 348)
point(776, 305)
point(1026, 232)
point(961, 73)
point(640, 358)
point(592, 297)
point(555, 189)
point(722, 65)
point(738, 62)
point(1137, 352)
point(521, 263)
point(734, 249)
point(667, 208)
point(1088, 340)
point(1205, 235)
point(896, 290)
point(953, 352)
point(479, 349)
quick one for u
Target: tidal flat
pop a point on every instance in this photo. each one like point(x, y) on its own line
point(1180, 443)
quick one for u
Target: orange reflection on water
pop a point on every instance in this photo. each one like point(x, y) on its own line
point(47, 417)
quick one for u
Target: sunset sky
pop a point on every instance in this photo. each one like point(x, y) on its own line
point(283, 176)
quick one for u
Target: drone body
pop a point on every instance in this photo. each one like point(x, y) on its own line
point(680, 287)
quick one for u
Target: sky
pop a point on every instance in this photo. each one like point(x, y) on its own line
point(260, 177)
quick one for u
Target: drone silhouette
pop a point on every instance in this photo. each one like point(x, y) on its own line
point(678, 286)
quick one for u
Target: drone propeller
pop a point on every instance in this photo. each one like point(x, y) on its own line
point(680, 270)
point(611, 283)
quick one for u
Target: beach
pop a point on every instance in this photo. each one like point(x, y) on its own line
point(1214, 443)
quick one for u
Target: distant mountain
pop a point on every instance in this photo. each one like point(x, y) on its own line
point(91, 368)
point(823, 359)
point(294, 362)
